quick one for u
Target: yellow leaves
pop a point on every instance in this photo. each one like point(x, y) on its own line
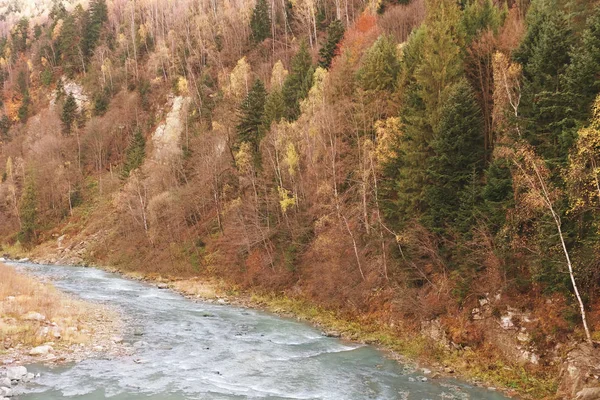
point(243, 158)
point(143, 33)
point(57, 29)
point(239, 79)
point(122, 40)
point(292, 159)
point(286, 199)
point(582, 177)
point(278, 76)
point(44, 61)
point(29, 65)
point(182, 86)
point(388, 131)
point(316, 95)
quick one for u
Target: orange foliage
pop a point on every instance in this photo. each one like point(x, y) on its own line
point(359, 37)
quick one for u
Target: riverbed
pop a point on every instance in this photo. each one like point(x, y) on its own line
point(183, 349)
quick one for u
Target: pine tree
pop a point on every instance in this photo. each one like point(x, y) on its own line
point(298, 82)
point(96, 16)
point(250, 129)
point(69, 114)
point(582, 77)
point(69, 41)
point(380, 65)
point(260, 22)
point(548, 115)
point(28, 212)
point(136, 152)
point(19, 37)
point(335, 33)
point(274, 108)
point(457, 162)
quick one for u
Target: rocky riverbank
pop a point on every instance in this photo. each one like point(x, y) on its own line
point(40, 324)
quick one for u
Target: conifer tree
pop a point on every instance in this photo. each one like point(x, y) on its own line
point(457, 161)
point(69, 114)
point(136, 152)
point(335, 33)
point(260, 22)
point(298, 82)
point(69, 46)
point(96, 16)
point(550, 124)
point(380, 65)
point(250, 129)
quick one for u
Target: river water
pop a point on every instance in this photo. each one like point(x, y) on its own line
point(197, 350)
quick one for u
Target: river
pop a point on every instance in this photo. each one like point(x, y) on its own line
point(199, 350)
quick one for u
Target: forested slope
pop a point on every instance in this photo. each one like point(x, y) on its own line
point(429, 166)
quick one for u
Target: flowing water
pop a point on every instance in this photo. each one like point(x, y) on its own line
point(197, 350)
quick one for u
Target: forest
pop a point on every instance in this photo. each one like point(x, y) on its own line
point(399, 162)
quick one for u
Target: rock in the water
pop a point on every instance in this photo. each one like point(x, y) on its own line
point(6, 392)
point(16, 373)
point(5, 382)
point(333, 334)
point(33, 316)
point(28, 377)
point(588, 394)
point(40, 350)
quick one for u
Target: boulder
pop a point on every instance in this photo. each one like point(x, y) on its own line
point(28, 377)
point(6, 392)
point(578, 374)
point(40, 350)
point(33, 316)
point(16, 373)
point(4, 382)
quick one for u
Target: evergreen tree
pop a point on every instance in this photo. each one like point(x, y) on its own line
point(19, 37)
point(250, 129)
point(136, 152)
point(380, 65)
point(94, 21)
point(298, 82)
point(28, 213)
point(457, 162)
point(549, 117)
point(274, 108)
point(69, 114)
point(4, 127)
point(431, 65)
point(582, 77)
point(260, 22)
point(69, 46)
point(335, 33)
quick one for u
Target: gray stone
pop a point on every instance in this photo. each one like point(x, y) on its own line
point(40, 350)
point(16, 373)
point(6, 392)
point(28, 377)
point(5, 382)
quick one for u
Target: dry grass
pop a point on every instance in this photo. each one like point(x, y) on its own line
point(66, 320)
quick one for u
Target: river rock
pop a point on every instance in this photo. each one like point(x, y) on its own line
point(40, 350)
point(33, 316)
point(4, 382)
point(6, 392)
point(16, 373)
point(28, 377)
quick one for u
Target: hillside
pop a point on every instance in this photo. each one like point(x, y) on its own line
point(423, 168)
